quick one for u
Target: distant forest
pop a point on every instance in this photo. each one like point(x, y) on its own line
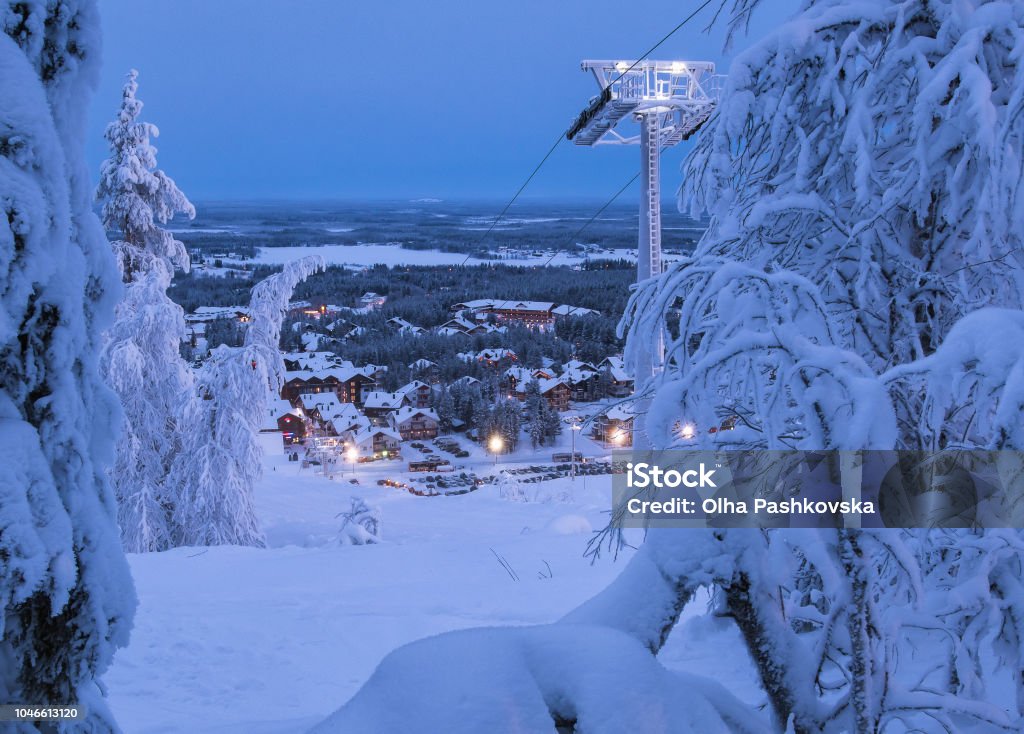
point(423, 296)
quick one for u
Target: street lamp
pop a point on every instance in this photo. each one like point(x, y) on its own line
point(575, 427)
point(496, 444)
point(353, 456)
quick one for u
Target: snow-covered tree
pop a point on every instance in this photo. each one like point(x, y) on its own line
point(138, 197)
point(221, 460)
point(863, 176)
point(445, 410)
point(66, 596)
point(142, 363)
point(142, 360)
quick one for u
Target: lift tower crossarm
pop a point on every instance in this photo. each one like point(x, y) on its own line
point(684, 91)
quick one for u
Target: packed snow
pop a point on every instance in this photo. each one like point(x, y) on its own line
point(233, 640)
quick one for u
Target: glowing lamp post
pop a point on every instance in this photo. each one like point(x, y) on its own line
point(575, 427)
point(353, 456)
point(496, 444)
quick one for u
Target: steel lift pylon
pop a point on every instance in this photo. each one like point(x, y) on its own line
point(670, 100)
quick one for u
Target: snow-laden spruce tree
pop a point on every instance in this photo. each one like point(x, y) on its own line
point(137, 196)
point(141, 359)
point(221, 460)
point(66, 596)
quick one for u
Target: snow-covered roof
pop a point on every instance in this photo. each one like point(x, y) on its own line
point(366, 434)
point(520, 374)
point(567, 310)
point(620, 413)
point(422, 364)
point(575, 364)
point(315, 360)
point(326, 402)
point(575, 374)
point(350, 423)
point(383, 400)
point(548, 384)
point(407, 413)
point(277, 408)
point(412, 387)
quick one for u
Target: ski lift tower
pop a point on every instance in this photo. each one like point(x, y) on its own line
point(670, 100)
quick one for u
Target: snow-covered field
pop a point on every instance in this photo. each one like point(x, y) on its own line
point(363, 255)
point(254, 641)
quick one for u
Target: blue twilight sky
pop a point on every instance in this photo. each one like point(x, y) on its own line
point(347, 99)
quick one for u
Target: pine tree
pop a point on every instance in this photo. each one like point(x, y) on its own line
point(142, 359)
point(66, 596)
point(445, 410)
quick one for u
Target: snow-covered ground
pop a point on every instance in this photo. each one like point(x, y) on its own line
point(242, 640)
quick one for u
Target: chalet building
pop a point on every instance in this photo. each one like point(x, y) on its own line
point(350, 384)
point(619, 384)
point(371, 300)
point(347, 418)
point(585, 385)
point(460, 325)
point(320, 407)
point(495, 357)
point(298, 383)
point(401, 326)
point(380, 405)
point(578, 365)
point(282, 419)
point(342, 329)
point(532, 314)
point(378, 442)
point(515, 379)
point(424, 369)
point(296, 361)
point(615, 428)
point(561, 312)
point(415, 424)
point(356, 387)
point(556, 392)
point(416, 394)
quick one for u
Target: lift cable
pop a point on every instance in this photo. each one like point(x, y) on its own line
point(667, 36)
point(561, 135)
point(596, 215)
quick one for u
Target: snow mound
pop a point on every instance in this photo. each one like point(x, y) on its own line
point(512, 680)
point(570, 525)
